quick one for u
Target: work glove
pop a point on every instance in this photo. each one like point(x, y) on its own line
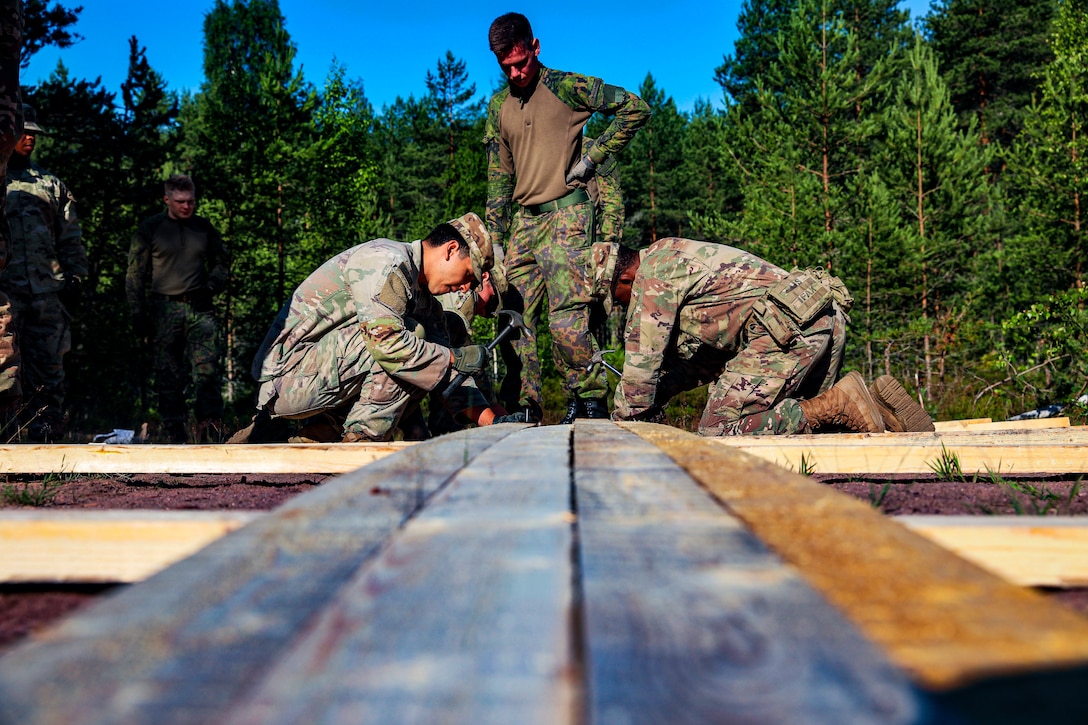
point(469, 359)
point(582, 170)
point(71, 295)
point(522, 416)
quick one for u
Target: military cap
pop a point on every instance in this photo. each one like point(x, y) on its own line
point(471, 228)
point(30, 120)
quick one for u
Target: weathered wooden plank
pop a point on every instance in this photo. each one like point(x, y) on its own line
point(183, 645)
point(1059, 450)
point(690, 618)
point(105, 546)
point(944, 620)
point(265, 458)
point(463, 618)
point(1038, 551)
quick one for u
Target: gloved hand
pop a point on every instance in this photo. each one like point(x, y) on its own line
point(469, 359)
point(582, 170)
point(71, 295)
point(141, 326)
point(522, 416)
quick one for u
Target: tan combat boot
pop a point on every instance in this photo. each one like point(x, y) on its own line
point(847, 404)
point(902, 414)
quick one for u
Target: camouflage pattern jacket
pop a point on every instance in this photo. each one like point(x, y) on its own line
point(46, 242)
point(686, 294)
point(369, 297)
point(527, 164)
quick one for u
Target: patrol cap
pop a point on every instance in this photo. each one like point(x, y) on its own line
point(472, 229)
point(30, 120)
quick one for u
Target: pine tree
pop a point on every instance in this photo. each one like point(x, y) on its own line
point(252, 120)
point(991, 52)
point(933, 174)
point(1049, 169)
point(650, 172)
point(800, 153)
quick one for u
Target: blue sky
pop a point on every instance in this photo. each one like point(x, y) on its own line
point(392, 45)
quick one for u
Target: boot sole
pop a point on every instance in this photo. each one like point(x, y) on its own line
point(896, 404)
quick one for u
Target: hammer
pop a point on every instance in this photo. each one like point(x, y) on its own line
point(514, 321)
point(598, 359)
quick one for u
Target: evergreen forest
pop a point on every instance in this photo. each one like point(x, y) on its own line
point(939, 168)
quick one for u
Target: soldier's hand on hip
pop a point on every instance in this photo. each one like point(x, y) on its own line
point(469, 359)
point(582, 170)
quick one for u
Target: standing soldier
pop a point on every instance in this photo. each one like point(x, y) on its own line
point(177, 259)
point(11, 35)
point(769, 342)
point(535, 160)
point(46, 260)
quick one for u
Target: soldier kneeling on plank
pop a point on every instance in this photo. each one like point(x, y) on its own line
point(769, 342)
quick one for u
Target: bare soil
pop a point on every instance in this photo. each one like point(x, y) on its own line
point(24, 608)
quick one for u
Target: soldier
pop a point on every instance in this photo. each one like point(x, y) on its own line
point(46, 260)
point(11, 34)
point(535, 160)
point(363, 337)
point(769, 343)
point(178, 260)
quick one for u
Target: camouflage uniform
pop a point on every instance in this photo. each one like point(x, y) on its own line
point(175, 266)
point(11, 24)
point(704, 313)
point(360, 333)
point(533, 139)
point(46, 248)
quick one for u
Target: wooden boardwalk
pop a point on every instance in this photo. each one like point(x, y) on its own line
point(591, 573)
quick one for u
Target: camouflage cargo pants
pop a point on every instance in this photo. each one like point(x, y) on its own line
point(10, 388)
point(755, 392)
point(186, 354)
point(45, 337)
point(551, 255)
point(325, 380)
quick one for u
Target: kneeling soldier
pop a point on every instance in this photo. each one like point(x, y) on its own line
point(769, 342)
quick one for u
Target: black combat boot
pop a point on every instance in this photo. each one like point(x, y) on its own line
point(575, 409)
point(595, 408)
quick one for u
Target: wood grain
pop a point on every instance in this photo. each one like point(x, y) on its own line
point(263, 458)
point(690, 618)
point(105, 546)
point(186, 643)
point(944, 620)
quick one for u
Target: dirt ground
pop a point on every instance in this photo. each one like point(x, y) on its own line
point(24, 608)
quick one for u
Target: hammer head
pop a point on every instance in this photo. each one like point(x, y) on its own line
point(514, 321)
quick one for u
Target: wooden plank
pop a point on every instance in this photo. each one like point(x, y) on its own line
point(463, 618)
point(944, 620)
point(687, 612)
point(1032, 424)
point(1059, 450)
point(183, 645)
point(105, 546)
point(945, 426)
point(264, 458)
point(1038, 551)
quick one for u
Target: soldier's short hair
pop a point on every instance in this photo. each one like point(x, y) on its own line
point(509, 30)
point(445, 233)
point(625, 258)
point(179, 182)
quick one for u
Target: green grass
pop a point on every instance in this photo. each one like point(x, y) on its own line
point(947, 467)
point(876, 499)
point(31, 493)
